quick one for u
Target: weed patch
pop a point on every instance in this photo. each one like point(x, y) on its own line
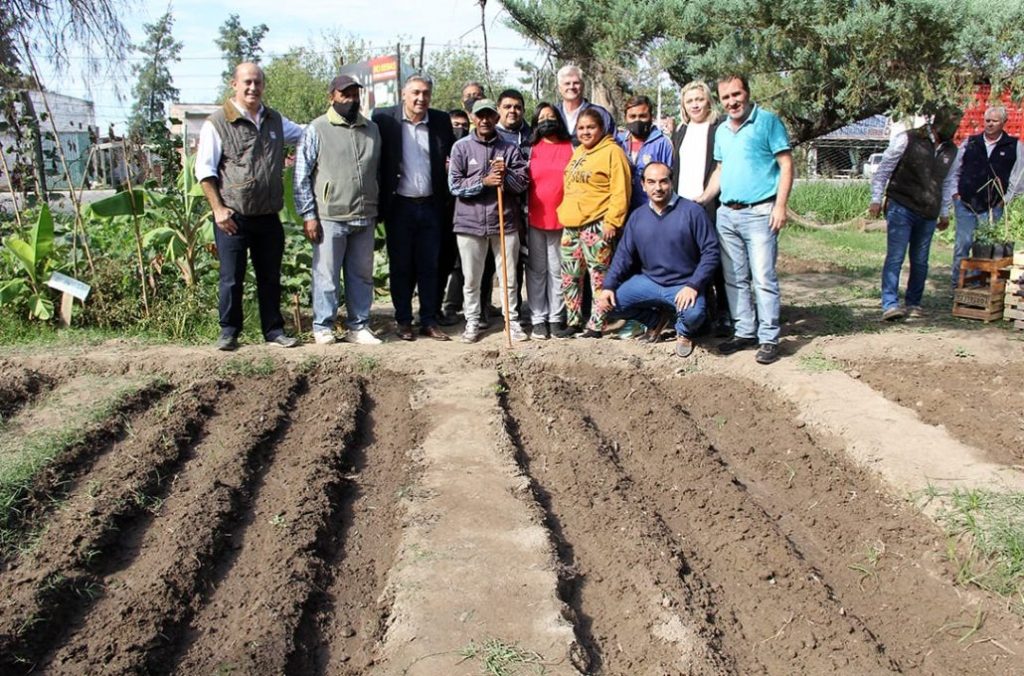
point(240, 366)
point(818, 363)
point(830, 201)
point(986, 539)
point(498, 658)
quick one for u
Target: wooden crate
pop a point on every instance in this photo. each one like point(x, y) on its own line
point(1018, 258)
point(981, 289)
point(1013, 298)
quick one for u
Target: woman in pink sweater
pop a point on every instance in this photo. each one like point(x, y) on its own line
point(549, 154)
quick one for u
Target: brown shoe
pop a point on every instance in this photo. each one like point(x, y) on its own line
point(684, 346)
point(404, 332)
point(434, 332)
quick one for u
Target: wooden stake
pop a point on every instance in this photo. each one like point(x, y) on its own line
point(504, 264)
point(10, 187)
point(67, 301)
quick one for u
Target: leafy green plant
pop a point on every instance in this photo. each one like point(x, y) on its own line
point(183, 226)
point(35, 258)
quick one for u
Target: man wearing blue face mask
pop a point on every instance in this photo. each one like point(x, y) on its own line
point(336, 192)
point(643, 144)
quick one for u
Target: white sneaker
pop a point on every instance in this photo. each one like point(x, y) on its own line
point(471, 334)
point(363, 336)
point(517, 333)
point(323, 337)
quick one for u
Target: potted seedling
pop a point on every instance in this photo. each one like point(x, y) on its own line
point(984, 242)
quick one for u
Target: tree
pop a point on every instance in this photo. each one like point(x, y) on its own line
point(297, 80)
point(452, 67)
point(820, 63)
point(239, 44)
point(154, 87)
point(54, 26)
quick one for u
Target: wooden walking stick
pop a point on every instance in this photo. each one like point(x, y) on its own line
point(504, 264)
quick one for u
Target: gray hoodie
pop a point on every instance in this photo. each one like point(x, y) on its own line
point(476, 205)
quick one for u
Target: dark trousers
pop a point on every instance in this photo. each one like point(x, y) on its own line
point(414, 242)
point(262, 239)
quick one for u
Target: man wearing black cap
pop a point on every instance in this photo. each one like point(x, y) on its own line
point(336, 193)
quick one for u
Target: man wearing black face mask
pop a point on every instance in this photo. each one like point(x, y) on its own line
point(336, 192)
point(460, 122)
point(643, 143)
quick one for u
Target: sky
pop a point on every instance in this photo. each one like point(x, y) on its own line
point(292, 23)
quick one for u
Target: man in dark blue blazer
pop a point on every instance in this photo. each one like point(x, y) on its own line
point(416, 142)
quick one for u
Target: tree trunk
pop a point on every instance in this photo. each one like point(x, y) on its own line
point(39, 164)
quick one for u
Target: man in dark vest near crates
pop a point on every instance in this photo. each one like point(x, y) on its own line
point(917, 180)
point(239, 163)
point(983, 167)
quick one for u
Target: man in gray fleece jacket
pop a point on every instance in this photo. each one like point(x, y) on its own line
point(480, 163)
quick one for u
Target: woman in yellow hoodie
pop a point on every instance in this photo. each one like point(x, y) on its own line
point(593, 209)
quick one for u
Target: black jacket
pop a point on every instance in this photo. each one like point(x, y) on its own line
point(709, 162)
point(439, 129)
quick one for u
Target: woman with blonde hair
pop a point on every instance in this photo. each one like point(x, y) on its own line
point(593, 209)
point(693, 147)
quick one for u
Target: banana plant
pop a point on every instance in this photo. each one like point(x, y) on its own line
point(35, 258)
point(184, 227)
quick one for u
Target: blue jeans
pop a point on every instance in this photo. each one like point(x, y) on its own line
point(749, 250)
point(640, 298)
point(966, 223)
point(904, 229)
point(351, 247)
point(262, 239)
point(413, 231)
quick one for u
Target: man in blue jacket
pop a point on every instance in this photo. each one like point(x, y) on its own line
point(643, 143)
point(668, 253)
point(480, 164)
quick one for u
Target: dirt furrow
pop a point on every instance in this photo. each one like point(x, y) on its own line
point(883, 559)
point(784, 611)
point(639, 607)
point(60, 578)
point(18, 387)
point(249, 622)
point(345, 618)
point(166, 561)
point(83, 442)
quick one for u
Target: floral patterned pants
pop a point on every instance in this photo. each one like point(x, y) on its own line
point(584, 249)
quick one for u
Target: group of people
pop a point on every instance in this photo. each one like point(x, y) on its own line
point(676, 229)
point(922, 177)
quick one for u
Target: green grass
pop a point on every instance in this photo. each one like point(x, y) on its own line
point(241, 366)
point(829, 202)
point(24, 457)
point(498, 658)
point(986, 539)
point(817, 363)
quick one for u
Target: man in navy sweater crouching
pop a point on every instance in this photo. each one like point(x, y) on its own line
point(667, 255)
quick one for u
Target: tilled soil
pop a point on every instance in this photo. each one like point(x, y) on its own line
point(703, 531)
point(979, 404)
point(223, 521)
point(230, 525)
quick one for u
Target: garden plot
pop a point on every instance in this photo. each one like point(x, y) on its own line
point(309, 513)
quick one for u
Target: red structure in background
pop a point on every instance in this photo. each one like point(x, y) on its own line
point(974, 116)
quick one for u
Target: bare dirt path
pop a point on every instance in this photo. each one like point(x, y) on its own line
point(474, 563)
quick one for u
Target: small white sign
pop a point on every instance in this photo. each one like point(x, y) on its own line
point(79, 290)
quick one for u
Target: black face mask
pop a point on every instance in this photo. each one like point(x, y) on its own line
point(640, 128)
point(467, 104)
point(459, 132)
point(348, 109)
point(547, 127)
